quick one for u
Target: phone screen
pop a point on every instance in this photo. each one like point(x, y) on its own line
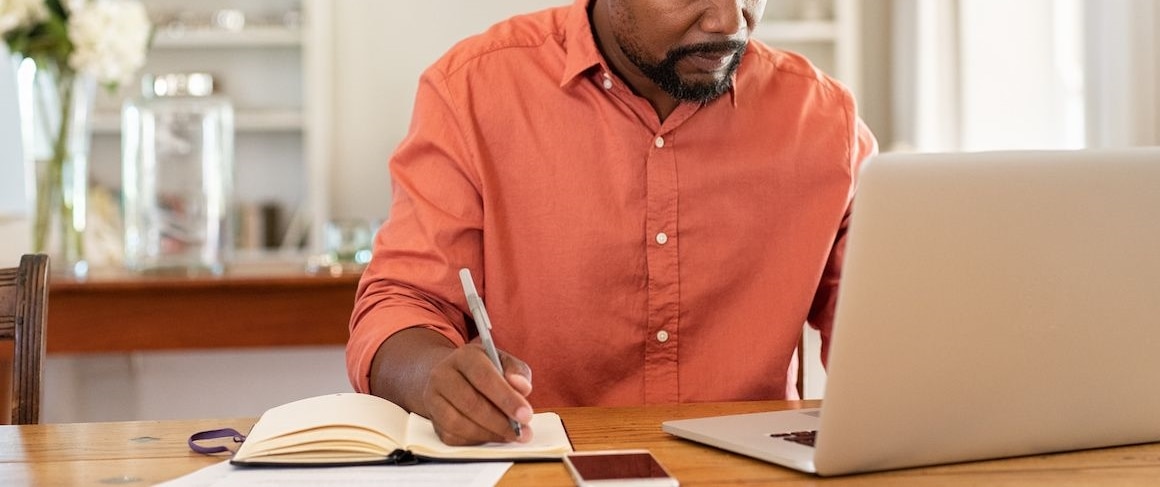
point(615, 466)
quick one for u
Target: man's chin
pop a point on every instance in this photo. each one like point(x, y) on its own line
point(703, 81)
point(702, 92)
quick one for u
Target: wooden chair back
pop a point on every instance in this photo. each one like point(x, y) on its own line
point(23, 314)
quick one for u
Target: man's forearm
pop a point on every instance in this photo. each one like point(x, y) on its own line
point(402, 366)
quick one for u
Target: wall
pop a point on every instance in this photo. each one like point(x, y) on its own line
point(174, 385)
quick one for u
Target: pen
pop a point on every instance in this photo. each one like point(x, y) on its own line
point(483, 325)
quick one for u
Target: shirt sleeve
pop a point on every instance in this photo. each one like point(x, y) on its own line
point(821, 317)
point(433, 230)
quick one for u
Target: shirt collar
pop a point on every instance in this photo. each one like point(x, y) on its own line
point(582, 52)
point(583, 55)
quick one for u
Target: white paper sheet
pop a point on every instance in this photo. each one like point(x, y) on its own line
point(426, 475)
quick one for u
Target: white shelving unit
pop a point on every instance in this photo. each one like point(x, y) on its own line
point(826, 31)
point(260, 36)
point(245, 121)
point(275, 70)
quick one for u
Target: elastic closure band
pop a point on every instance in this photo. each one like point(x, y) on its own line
point(213, 435)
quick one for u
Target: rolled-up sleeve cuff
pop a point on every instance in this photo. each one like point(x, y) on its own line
point(373, 329)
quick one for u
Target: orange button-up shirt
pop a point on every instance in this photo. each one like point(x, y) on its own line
point(627, 260)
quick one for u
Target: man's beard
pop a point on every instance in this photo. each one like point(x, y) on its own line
point(665, 74)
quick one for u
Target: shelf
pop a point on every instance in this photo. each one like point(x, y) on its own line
point(269, 304)
point(269, 121)
point(779, 31)
point(209, 38)
point(244, 121)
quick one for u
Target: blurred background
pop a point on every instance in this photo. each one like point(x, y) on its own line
point(322, 92)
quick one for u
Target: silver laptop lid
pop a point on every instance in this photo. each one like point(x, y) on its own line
point(996, 304)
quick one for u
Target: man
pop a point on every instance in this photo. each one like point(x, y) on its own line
point(651, 203)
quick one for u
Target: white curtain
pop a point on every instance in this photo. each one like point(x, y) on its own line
point(1122, 50)
point(987, 74)
point(15, 238)
point(12, 201)
point(927, 96)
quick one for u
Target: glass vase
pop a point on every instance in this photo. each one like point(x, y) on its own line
point(177, 176)
point(56, 105)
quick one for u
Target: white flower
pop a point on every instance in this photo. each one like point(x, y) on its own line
point(109, 39)
point(73, 5)
point(21, 13)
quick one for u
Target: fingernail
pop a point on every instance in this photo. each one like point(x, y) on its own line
point(524, 415)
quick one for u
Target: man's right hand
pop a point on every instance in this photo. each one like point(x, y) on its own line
point(470, 402)
point(459, 389)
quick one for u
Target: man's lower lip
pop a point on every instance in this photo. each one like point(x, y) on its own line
point(710, 62)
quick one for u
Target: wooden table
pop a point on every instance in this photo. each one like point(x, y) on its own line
point(147, 452)
point(267, 306)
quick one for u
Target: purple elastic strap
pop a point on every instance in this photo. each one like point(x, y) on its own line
point(211, 435)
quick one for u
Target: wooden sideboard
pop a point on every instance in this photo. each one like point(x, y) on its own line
point(262, 307)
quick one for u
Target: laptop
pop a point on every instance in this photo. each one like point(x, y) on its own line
point(992, 305)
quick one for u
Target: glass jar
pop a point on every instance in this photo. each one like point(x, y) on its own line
point(177, 172)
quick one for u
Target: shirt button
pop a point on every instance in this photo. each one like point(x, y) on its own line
point(607, 82)
point(662, 336)
point(662, 238)
point(660, 142)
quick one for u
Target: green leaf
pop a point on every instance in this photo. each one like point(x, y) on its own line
point(56, 42)
point(57, 9)
point(17, 41)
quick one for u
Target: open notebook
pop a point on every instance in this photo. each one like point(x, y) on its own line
point(353, 429)
point(992, 305)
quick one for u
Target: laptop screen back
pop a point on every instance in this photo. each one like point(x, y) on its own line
point(996, 304)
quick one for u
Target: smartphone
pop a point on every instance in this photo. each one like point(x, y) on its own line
point(618, 468)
